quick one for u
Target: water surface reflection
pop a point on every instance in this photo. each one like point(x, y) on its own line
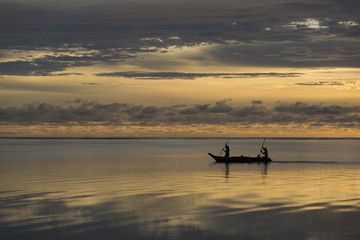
point(176, 196)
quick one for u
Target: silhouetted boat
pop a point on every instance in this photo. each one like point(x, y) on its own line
point(241, 159)
point(261, 158)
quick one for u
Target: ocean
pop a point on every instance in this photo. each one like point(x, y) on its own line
point(170, 188)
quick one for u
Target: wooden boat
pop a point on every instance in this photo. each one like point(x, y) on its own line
point(241, 159)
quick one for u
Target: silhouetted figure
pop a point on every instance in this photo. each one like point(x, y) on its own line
point(227, 151)
point(265, 152)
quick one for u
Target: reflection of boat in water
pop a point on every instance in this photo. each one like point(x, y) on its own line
point(241, 159)
point(261, 158)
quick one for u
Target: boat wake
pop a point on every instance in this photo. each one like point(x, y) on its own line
point(317, 162)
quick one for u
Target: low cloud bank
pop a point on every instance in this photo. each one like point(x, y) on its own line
point(221, 113)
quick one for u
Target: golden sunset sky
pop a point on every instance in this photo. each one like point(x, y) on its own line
point(179, 68)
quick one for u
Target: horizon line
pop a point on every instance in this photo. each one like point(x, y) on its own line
point(195, 138)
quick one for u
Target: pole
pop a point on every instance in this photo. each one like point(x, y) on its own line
point(262, 146)
point(224, 147)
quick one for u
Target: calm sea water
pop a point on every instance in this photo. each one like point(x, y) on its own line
point(171, 189)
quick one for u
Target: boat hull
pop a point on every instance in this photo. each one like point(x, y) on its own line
point(241, 159)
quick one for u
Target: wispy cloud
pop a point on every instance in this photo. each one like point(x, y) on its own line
point(90, 83)
point(349, 84)
point(185, 75)
point(37, 87)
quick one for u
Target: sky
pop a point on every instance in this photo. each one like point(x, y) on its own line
point(179, 68)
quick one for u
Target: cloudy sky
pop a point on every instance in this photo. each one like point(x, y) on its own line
point(141, 68)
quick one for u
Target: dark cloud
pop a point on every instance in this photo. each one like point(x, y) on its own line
point(221, 112)
point(275, 33)
point(183, 75)
point(326, 83)
point(90, 83)
point(31, 68)
point(315, 110)
point(257, 102)
point(49, 65)
point(308, 54)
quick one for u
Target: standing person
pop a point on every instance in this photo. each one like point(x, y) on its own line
point(265, 152)
point(227, 150)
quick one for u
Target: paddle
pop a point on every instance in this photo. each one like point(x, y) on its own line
point(224, 147)
point(262, 146)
